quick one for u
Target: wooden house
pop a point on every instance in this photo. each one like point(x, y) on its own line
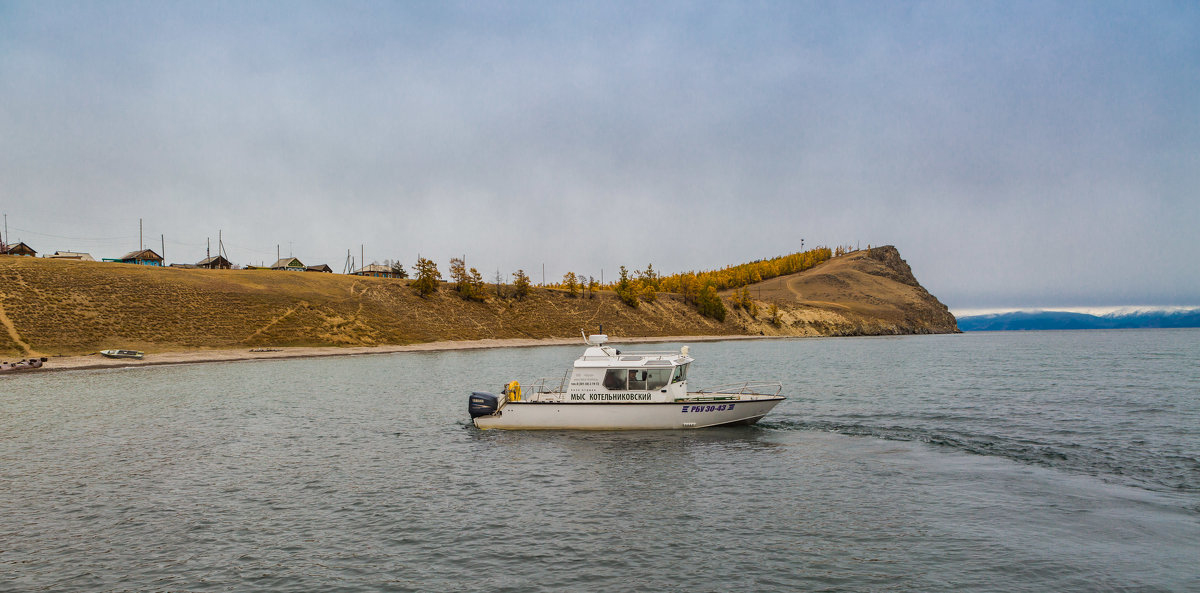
point(19, 249)
point(319, 268)
point(145, 257)
point(375, 270)
point(216, 262)
point(72, 255)
point(291, 264)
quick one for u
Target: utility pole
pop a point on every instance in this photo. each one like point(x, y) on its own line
point(141, 243)
point(207, 247)
point(162, 244)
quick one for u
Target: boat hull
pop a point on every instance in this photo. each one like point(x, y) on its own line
point(135, 354)
point(628, 415)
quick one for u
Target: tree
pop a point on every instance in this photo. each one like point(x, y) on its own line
point(625, 289)
point(476, 285)
point(593, 286)
point(520, 284)
point(688, 287)
point(708, 302)
point(649, 277)
point(571, 282)
point(398, 270)
point(648, 293)
point(773, 310)
point(499, 284)
point(689, 284)
point(428, 277)
point(458, 275)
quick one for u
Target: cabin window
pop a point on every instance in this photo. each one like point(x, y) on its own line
point(656, 378)
point(636, 379)
point(680, 373)
point(614, 379)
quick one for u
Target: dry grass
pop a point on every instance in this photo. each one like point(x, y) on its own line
point(58, 307)
point(866, 292)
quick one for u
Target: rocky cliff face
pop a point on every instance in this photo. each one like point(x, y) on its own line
point(53, 307)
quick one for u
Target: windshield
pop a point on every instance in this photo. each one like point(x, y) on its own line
point(637, 379)
point(680, 373)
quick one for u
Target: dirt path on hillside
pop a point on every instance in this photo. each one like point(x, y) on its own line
point(12, 331)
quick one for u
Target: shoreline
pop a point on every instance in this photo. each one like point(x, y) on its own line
point(98, 361)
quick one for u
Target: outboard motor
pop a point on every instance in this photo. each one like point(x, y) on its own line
point(482, 403)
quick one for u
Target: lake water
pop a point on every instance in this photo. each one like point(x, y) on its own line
point(1025, 461)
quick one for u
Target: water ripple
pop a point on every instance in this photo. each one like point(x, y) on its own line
point(362, 474)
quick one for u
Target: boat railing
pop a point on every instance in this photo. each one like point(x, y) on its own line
point(746, 388)
point(665, 354)
point(542, 385)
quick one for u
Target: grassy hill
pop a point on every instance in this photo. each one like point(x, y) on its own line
point(57, 307)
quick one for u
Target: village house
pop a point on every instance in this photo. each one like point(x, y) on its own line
point(145, 257)
point(215, 262)
point(291, 264)
point(319, 268)
point(71, 255)
point(375, 270)
point(19, 249)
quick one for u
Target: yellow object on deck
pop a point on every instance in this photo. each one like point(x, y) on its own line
point(514, 391)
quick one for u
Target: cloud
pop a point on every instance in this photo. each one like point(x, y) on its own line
point(1018, 154)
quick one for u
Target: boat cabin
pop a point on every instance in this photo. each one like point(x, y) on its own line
point(604, 373)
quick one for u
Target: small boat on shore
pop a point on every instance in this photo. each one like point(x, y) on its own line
point(27, 364)
point(613, 390)
point(137, 354)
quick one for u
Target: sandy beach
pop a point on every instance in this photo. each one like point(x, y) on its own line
point(97, 361)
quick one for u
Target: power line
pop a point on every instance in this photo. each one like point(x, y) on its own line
point(125, 238)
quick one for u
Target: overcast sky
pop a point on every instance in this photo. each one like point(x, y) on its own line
point(1018, 154)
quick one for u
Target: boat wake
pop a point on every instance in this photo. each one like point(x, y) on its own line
point(1130, 464)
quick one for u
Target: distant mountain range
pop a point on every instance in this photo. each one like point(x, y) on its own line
point(1036, 320)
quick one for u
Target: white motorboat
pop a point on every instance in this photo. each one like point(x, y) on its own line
point(123, 353)
point(613, 390)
